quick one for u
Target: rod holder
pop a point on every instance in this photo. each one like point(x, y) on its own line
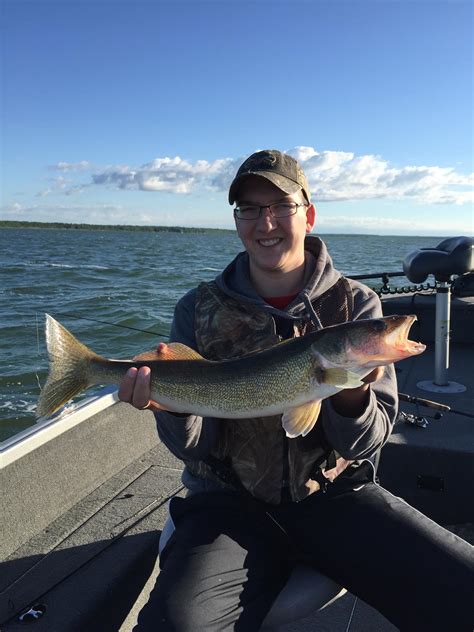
point(441, 384)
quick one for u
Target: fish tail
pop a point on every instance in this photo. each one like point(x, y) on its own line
point(69, 368)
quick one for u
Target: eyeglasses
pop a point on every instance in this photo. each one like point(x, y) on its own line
point(254, 211)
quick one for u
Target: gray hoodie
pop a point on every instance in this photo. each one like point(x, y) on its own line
point(192, 437)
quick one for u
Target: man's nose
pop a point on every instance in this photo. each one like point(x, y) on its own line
point(266, 221)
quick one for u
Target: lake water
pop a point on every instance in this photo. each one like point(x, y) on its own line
point(127, 278)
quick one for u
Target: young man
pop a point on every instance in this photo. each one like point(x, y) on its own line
point(259, 501)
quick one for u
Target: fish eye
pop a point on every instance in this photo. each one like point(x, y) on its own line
point(379, 325)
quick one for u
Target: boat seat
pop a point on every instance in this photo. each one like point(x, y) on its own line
point(306, 591)
point(452, 256)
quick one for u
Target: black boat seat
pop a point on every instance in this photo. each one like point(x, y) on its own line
point(306, 591)
point(452, 256)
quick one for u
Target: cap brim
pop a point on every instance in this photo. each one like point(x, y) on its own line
point(285, 184)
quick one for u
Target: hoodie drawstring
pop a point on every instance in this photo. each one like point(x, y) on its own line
point(314, 318)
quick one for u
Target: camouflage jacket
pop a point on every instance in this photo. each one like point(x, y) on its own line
point(226, 318)
point(257, 449)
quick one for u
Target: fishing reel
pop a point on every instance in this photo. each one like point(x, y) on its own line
point(417, 419)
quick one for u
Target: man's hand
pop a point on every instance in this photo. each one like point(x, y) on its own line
point(135, 386)
point(352, 402)
point(374, 376)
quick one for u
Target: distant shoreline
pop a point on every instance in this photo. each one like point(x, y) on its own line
point(116, 227)
point(179, 229)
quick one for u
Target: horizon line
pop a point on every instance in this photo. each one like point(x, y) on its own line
point(172, 228)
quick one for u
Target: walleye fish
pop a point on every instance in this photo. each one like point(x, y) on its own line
point(290, 378)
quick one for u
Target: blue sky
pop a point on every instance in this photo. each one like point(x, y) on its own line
point(140, 111)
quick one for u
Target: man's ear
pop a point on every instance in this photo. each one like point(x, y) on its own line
point(310, 217)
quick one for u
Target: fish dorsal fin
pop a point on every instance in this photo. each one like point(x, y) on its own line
point(341, 378)
point(178, 351)
point(301, 419)
point(171, 351)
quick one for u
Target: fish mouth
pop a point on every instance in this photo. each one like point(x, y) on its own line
point(397, 338)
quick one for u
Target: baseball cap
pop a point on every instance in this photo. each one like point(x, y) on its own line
point(280, 169)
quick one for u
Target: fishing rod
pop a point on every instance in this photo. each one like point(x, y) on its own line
point(105, 322)
point(419, 401)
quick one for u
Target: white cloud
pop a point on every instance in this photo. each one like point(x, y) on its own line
point(333, 176)
point(44, 193)
point(59, 183)
point(173, 175)
point(97, 214)
point(80, 213)
point(393, 226)
point(83, 165)
point(11, 209)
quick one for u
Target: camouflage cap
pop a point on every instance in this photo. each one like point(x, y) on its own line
point(280, 169)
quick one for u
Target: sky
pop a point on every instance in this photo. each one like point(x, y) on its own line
point(141, 111)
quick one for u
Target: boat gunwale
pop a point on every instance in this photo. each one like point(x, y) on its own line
point(48, 428)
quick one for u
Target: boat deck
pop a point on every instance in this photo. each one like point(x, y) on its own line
point(91, 562)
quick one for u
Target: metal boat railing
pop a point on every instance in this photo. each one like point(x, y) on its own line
point(386, 289)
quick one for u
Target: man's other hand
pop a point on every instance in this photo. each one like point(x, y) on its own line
point(135, 387)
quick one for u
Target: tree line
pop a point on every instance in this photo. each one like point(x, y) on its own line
point(125, 227)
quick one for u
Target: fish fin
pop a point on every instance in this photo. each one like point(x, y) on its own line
point(154, 405)
point(171, 351)
point(150, 356)
point(178, 351)
point(69, 368)
point(322, 361)
point(301, 419)
point(341, 378)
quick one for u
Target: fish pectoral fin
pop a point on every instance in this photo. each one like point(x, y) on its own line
point(172, 351)
point(301, 419)
point(154, 405)
point(341, 378)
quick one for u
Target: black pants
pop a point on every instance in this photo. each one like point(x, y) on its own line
point(228, 560)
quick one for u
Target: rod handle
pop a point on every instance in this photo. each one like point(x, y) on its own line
point(424, 402)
